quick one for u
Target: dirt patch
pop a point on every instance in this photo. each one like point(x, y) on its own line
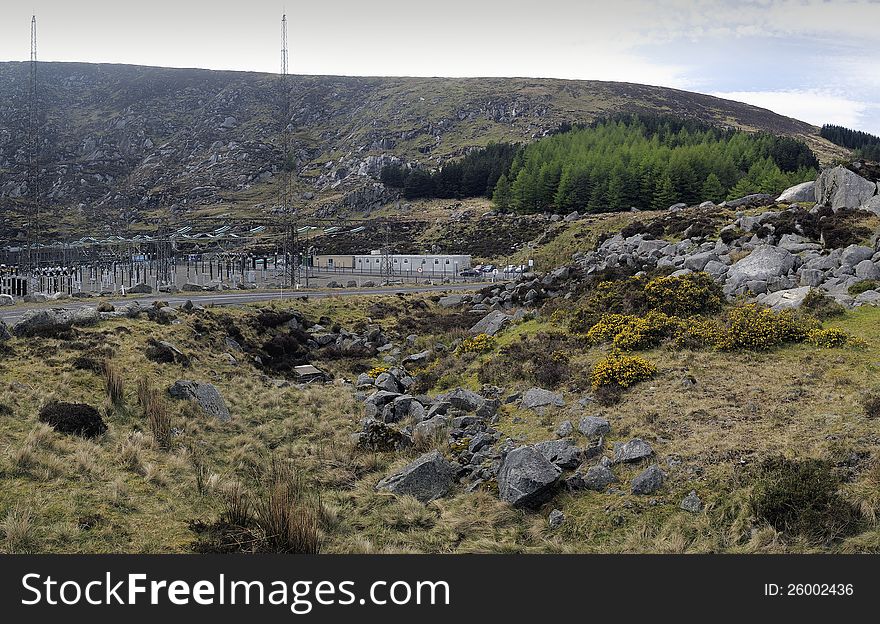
point(73, 418)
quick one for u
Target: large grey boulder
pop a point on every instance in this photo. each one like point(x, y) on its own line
point(755, 199)
point(631, 451)
point(873, 204)
point(427, 478)
point(839, 187)
point(786, 299)
point(51, 321)
point(7, 300)
point(764, 263)
point(526, 478)
point(538, 397)
point(492, 323)
point(450, 301)
point(206, 395)
point(648, 481)
point(463, 399)
point(563, 453)
point(594, 426)
point(854, 254)
point(805, 192)
point(596, 478)
point(140, 289)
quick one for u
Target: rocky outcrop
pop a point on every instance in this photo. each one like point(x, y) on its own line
point(838, 187)
point(206, 395)
point(526, 478)
point(427, 478)
point(53, 321)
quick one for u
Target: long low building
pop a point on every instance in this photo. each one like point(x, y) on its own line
point(430, 264)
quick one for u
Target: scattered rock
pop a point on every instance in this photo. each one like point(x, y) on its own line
point(206, 395)
point(555, 519)
point(634, 450)
point(563, 453)
point(692, 502)
point(648, 481)
point(594, 426)
point(492, 323)
point(538, 397)
point(526, 478)
point(427, 478)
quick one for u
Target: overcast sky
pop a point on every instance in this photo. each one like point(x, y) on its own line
point(810, 59)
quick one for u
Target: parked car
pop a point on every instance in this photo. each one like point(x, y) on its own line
point(470, 273)
point(487, 268)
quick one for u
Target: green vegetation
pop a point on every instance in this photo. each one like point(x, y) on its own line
point(651, 163)
point(617, 163)
point(864, 145)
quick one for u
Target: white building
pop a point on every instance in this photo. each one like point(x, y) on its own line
point(430, 264)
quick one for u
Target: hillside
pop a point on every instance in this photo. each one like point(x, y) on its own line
point(128, 143)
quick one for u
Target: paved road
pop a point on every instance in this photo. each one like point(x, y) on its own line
point(237, 297)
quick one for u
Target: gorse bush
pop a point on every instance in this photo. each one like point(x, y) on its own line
point(377, 370)
point(820, 306)
point(863, 285)
point(758, 329)
point(481, 343)
point(694, 293)
point(828, 338)
point(621, 370)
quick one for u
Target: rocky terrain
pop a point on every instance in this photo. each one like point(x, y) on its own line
point(692, 380)
point(127, 143)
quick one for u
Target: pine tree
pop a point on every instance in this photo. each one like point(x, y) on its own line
point(713, 190)
point(502, 195)
point(664, 194)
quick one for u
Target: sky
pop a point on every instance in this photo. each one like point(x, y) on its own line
point(808, 59)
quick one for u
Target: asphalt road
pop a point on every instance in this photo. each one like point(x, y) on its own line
point(238, 297)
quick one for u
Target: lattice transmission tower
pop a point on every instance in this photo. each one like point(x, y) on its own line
point(34, 225)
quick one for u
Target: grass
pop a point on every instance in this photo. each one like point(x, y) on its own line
point(132, 490)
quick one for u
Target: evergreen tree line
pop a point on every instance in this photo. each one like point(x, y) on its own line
point(641, 161)
point(649, 163)
point(863, 144)
point(474, 175)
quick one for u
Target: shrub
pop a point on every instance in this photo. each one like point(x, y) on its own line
point(871, 405)
point(862, 285)
point(287, 513)
point(377, 370)
point(113, 383)
point(759, 329)
point(830, 338)
point(621, 370)
point(694, 293)
point(552, 371)
point(819, 305)
point(481, 343)
point(801, 498)
point(73, 418)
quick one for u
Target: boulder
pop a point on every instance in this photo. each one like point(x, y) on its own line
point(564, 429)
point(387, 382)
point(692, 502)
point(631, 451)
point(140, 289)
point(749, 201)
point(432, 428)
point(491, 324)
point(596, 478)
point(379, 437)
point(204, 394)
point(562, 453)
point(450, 301)
point(761, 265)
point(7, 300)
point(805, 192)
point(51, 321)
point(854, 254)
point(526, 478)
point(867, 269)
point(839, 187)
point(555, 519)
point(463, 399)
point(165, 353)
point(786, 299)
point(594, 426)
point(4, 331)
point(873, 204)
point(538, 397)
point(427, 478)
point(648, 481)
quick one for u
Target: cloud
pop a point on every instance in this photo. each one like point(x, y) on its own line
point(811, 105)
